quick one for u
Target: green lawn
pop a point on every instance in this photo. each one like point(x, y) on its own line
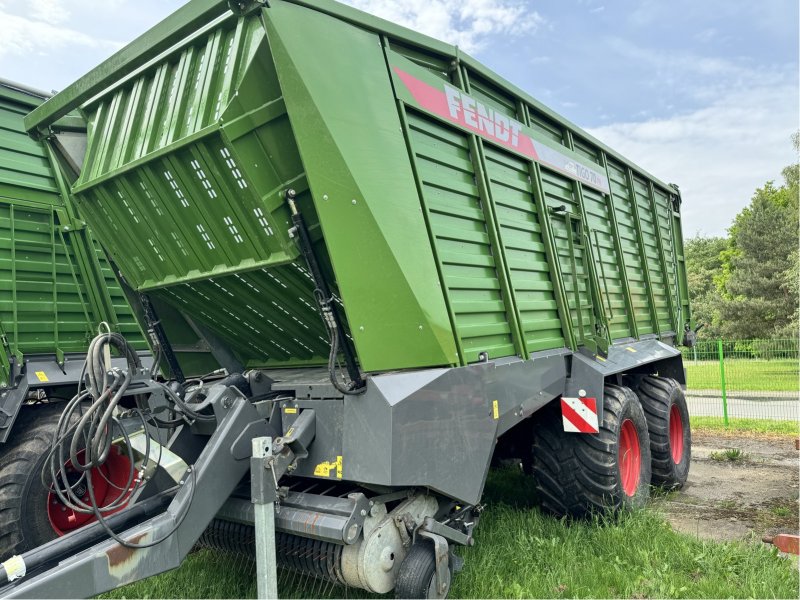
point(755, 375)
point(746, 426)
point(522, 553)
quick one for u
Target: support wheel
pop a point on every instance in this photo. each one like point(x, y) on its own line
point(578, 474)
point(667, 417)
point(416, 577)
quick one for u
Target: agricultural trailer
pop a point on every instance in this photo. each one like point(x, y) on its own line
point(405, 267)
point(56, 286)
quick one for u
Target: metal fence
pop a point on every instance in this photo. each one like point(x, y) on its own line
point(736, 379)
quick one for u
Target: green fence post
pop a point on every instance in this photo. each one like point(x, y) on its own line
point(722, 383)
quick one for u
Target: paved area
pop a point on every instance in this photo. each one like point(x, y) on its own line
point(748, 405)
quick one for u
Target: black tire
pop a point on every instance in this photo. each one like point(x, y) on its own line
point(24, 524)
point(662, 399)
point(416, 577)
point(579, 474)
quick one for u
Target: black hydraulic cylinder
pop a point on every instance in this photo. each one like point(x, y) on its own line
point(319, 280)
point(156, 331)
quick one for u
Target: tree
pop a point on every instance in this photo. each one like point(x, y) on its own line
point(758, 277)
point(703, 267)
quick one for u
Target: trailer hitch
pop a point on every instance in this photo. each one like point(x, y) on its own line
point(156, 544)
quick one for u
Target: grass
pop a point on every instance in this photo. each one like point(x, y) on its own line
point(521, 552)
point(729, 455)
point(741, 375)
point(761, 427)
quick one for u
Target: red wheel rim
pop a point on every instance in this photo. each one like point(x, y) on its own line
point(675, 434)
point(108, 484)
point(630, 457)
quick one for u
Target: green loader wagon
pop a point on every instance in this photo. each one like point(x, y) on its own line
point(402, 267)
point(56, 287)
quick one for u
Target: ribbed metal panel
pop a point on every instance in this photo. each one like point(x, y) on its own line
point(183, 215)
point(267, 316)
point(649, 233)
point(43, 305)
point(24, 169)
point(569, 240)
point(664, 219)
point(524, 250)
point(630, 247)
point(458, 226)
point(47, 261)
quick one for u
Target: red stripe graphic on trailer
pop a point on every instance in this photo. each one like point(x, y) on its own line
point(579, 415)
point(450, 104)
point(468, 112)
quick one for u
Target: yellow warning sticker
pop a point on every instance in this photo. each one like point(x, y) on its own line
point(41, 376)
point(629, 349)
point(290, 411)
point(325, 468)
point(495, 410)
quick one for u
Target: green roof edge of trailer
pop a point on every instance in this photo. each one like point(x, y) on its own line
point(159, 39)
point(363, 19)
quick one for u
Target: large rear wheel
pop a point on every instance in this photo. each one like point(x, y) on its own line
point(578, 474)
point(667, 417)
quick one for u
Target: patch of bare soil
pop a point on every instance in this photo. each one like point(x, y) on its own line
point(753, 495)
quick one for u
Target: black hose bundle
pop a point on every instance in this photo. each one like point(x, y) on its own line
point(84, 434)
point(89, 426)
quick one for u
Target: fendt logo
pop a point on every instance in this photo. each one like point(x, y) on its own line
point(477, 115)
point(453, 105)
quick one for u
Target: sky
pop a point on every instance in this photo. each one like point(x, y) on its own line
point(701, 93)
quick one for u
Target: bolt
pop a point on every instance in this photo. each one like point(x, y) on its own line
point(227, 402)
point(325, 197)
point(363, 513)
point(354, 201)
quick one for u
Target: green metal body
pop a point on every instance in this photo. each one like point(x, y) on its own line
point(56, 285)
point(455, 216)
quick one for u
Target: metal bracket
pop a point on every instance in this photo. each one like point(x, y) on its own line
point(457, 537)
point(442, 553)
point(242, 8)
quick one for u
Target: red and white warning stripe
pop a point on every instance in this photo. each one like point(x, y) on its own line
point(579, 415)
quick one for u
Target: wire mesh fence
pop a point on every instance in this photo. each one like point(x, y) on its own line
point(743, 379)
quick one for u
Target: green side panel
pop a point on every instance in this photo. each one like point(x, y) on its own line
point(658, 279)
point(664, 223)
point(572, 254)
point(607, 263)
point(126, 322)
point(25, 171)
point(43, 304)
point(183, 182)
point(524, 249)
point(458, 227)
point(630, 247)
point(49, 263)
point(283, 325)
point(357, 163)
point(685, 317)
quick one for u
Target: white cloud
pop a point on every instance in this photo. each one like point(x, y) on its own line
point(465, 23)
point(719, 154)
point(21, 36)
point(49, 11)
